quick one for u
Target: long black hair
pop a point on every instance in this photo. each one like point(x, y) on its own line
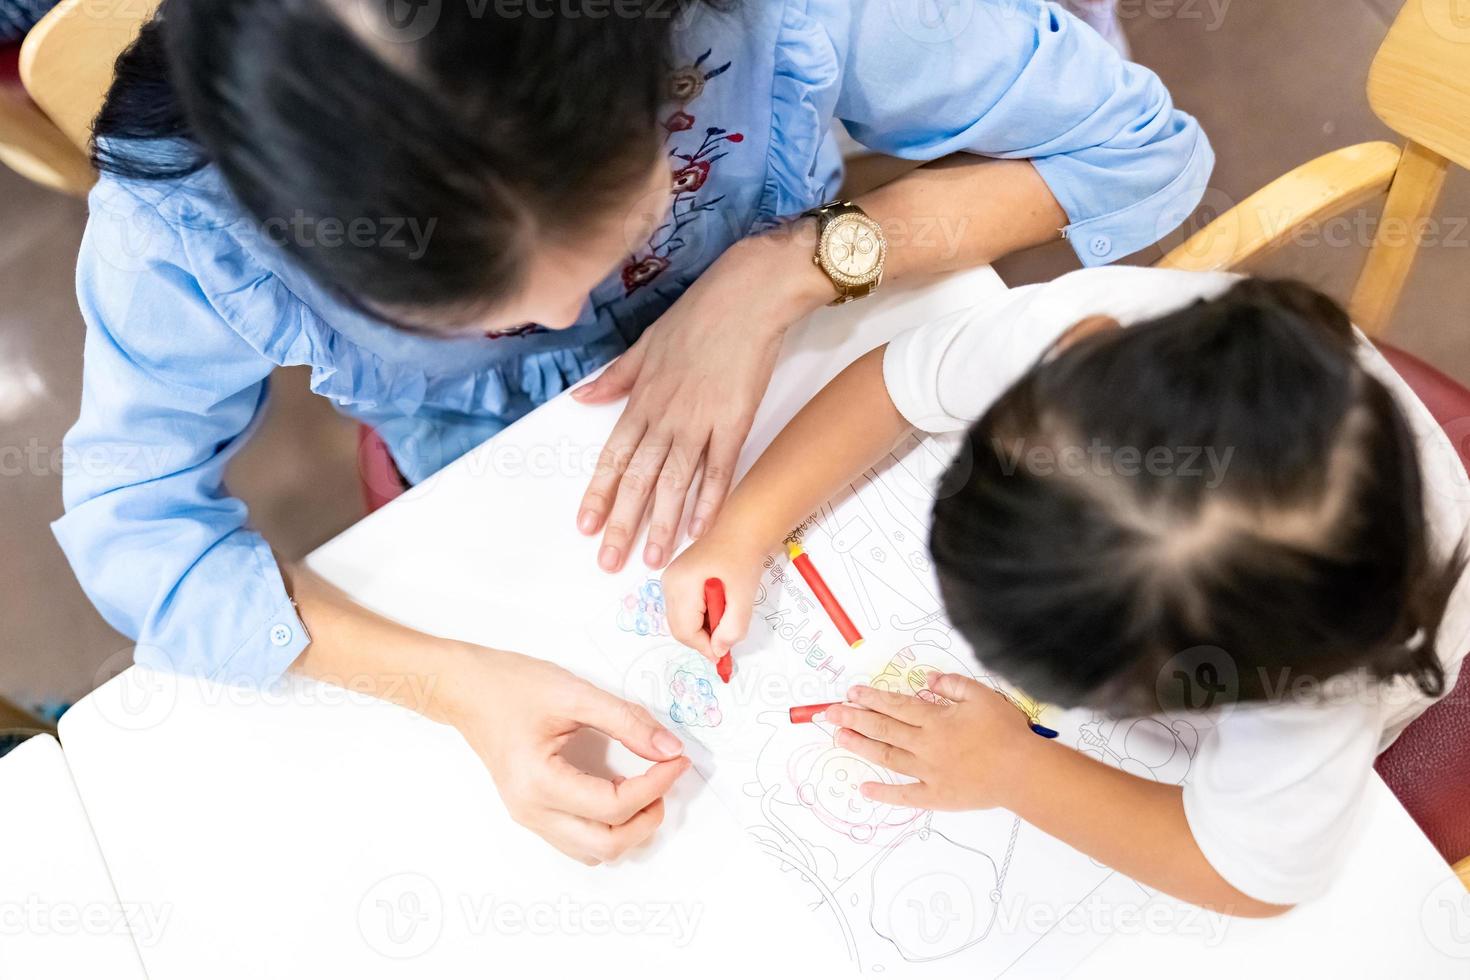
point(1223, 486)
point(488, 122)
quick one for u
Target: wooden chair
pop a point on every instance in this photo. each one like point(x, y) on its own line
point(30, 143)
point(64, 66)
point(1419, 86)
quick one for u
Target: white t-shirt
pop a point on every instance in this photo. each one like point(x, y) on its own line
point(1272, 787)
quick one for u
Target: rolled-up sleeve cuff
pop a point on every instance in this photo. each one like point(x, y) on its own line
point(1106, 238)
point(268, 652)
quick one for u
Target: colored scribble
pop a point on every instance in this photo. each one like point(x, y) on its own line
point(694, 702)
point(642, 612)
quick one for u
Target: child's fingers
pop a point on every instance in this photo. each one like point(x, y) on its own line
point(906, 708)
point(881, 753)
point(873, 724)
point(684, 609)
point(917, 796)
point(735, 622)
point(954, 687)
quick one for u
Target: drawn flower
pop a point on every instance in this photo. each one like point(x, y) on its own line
point(641, 272)
point(692, 177)
point(679, 122)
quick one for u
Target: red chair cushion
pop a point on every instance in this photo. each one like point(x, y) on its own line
point(381, 481)
point(10, 65)
point(1428, 767)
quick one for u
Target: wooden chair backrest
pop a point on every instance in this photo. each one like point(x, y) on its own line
point(1419, 84)
point(66, 61)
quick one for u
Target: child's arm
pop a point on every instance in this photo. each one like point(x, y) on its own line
point(977, 752)
point(847, 427)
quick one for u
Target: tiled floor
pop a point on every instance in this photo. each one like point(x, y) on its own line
point(1275, 84)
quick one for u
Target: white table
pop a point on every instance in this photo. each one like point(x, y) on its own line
point(309, 832)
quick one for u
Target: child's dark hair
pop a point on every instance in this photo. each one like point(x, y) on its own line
point(496, 124)
point(1079, 566)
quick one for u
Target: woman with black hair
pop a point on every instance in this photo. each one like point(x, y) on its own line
point(454, 211)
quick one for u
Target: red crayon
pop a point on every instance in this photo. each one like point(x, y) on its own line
point(824, 595)
point(714, 611)
point(802, 714)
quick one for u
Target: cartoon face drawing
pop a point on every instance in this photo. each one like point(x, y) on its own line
point(831, 789)
point(694, 702)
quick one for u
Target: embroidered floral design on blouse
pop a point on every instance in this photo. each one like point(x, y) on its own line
point(690, 173)
point(524, 330)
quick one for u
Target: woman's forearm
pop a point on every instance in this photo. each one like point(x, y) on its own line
point(355, 648)
point(849, 425)
point(954, 213)
point(1135, 826)
point(962, 211)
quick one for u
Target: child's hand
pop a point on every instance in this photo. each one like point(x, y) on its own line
point(966, 750)
point(738, 566)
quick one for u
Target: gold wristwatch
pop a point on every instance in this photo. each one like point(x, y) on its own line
point(850, 249)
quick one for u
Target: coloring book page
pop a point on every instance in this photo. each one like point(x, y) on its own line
point(895, 891)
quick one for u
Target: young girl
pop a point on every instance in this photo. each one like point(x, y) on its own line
point(453, 212)
point(1232, 513)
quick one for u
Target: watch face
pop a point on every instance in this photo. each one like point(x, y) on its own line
point(852, 248)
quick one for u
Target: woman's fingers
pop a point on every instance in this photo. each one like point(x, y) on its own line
point(873, 724)
point(612, 462)
point(631, 502)
point(719, 469)
point(616, 381)
point(670, 493)
point(593, 842)
point(611, 802)
point(626, 722)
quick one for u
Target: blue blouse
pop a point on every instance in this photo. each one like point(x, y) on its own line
point(189, 308)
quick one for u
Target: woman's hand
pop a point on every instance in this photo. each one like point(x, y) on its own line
point(968, 749)
point(736, 562)
point(697, 376)
point(517, 713)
